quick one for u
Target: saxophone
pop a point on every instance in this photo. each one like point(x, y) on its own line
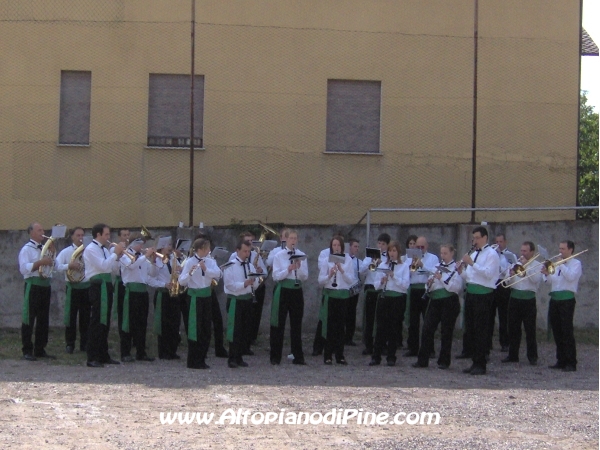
point(176, 289)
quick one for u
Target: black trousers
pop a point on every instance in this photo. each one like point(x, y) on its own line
point(217, 320)
point(522, 312)
point(500, 303)
point(198, 349)
point(444, 311)
point(477, 327)
point(290, 301)
point(388, 312)
point(418, 308)
point(138, 324)
point(97, 346)
point(369, 316)
point(185, 311)
point(80, 306)
point(561, 320)
point(170, 314)
point(257, 309)
point(39, 316)
point(351, 304)
point(241, 323)
point(336, 323)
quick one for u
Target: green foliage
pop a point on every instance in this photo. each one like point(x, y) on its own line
point(588, 160)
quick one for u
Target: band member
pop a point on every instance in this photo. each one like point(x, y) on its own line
point(353, 247)
point(119, 287)
point(417, 303)
point(371, 293)
point(167, 309)
point(36, 302)
point(481, 270)
point(283, 235)
point(411, 242)
point(336, 279)
point(562, 306)
point(288, 297)
point(99, 267)
point(133, 318)
point(522, 308)
point(443, 288)
point(197, 274)
point(391, 302)
point(77, 301)
point(501, 295)
point(215, 308)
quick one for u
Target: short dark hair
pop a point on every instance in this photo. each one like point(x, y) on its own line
point(481, 230)
point(530, 244)
point(500, 234)
point(200, 243)
point(122, 229)
point(241, 241)
point(353, 240)
point(74, 229)
point(570, 245)
point(450, 247)
point(98, 229)
point(384, 237)
point(411, 237)
point(338, 238)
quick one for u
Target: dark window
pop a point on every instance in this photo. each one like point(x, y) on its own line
point(75, 94)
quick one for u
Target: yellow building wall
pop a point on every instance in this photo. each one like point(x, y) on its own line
point(266, 66)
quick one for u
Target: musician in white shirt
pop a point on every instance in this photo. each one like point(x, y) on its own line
point(353, 248)
point(562, 306)
point(77, 300)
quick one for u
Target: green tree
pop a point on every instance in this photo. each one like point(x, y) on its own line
point(588, 159)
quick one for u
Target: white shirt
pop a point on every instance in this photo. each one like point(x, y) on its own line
point(64, 258)
point(261, 263)
point(357, 268)
point(485, 268)
point(159, 275)
point(399, 282)
point(199, 280)
point(566, 277)
point(505, 264)
point(452, 281)
point(323, 258)
point(29, 254)
point(532, 283)
point(97, 259)
point(136, 271)
point(281, 263)
point(272, 255)
point(236, 275)
point(372, 276)
point(343, 280)
point(429, 261)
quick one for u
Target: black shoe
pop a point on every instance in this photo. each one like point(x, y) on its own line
point(556, 366)
point(69, 349)
point(111, 361)
point(443, 366)
point(203, 365)
point(350, 343)
point(248, 353)
point(468, 369)
point(569, 369)
point(367, 351)
point(221, 353)
point(504, 348)
point(375, 362)
point(328, 362)
point(432, 355)
point(144, 358)
point(509, 359)
point(410, 353)
point(29, 357)
point(299, 362)
point(533, 362)
point(274, 362)
point(463, 356)
point(478, 371)
point(242, 364)
point(317, 353)
point(391, 363)
point(232, 365)
point(418, 365)
point(128, 359)
point(43, 354)
point(343, 362)
point(94, 364)
point(175, 356)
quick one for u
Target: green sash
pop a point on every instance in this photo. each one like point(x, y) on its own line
point(192, 319)
point(285, 283)
point(562, 295)
point(473, 288)
point(324, 311)
point(70, 287)
point(157, 324)
point(130, 287)
point(522, 295)
point(103, 278)
point(386, 294)
point(439, 293)
point(35, 281)
point(231, 313)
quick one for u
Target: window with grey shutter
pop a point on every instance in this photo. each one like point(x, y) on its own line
point(353, 116)
point(75, 95)
point(169, 110)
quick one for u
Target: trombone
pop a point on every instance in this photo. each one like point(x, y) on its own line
point(520, 271)
point(550, 266)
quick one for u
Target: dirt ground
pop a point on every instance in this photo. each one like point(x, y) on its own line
point(63, 404)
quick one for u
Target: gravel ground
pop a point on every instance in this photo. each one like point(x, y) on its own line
point(515, 406)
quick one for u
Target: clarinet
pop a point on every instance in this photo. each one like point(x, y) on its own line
point(334, 284)
point(296, 281)
point(252, 285)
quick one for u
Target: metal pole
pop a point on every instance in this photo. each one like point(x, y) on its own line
point(474, 149)
point(368, 226)
point(193, 59)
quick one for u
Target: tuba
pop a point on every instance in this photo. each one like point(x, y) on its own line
point(76, 276)
point(48, 250)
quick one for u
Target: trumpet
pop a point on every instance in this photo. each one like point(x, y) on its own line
point(414, 264)
point(374, 264)
point(163, 258)
point(125, 252)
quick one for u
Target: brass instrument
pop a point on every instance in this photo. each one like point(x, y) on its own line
point(176, 289)
point(77, 275)
point(163, 258)
point(374, 264)
point(520, 271)
point(414, 264)
point(125, 252)
point(48, 251)
point(146, 234)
